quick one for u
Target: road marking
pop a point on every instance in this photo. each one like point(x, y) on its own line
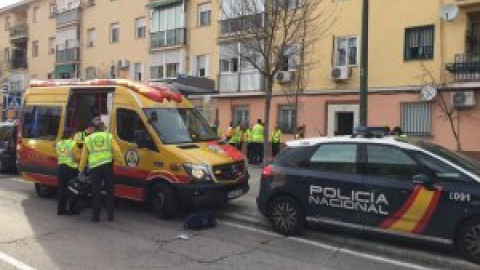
point(14, 262)
point(332, 248)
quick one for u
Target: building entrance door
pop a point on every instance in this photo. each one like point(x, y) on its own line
point(342, 119)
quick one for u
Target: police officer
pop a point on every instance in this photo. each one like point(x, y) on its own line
point(233, 139)
point(67, 156)
point(239, 136)
point(229, 133)
point(247, 138)
point(258, 139)
point(276, 139)
point(99, 152)
point(82, 134)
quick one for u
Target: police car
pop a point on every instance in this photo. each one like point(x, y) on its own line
point(410, 187)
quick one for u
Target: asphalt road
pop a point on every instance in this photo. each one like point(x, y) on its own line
point(32, 237)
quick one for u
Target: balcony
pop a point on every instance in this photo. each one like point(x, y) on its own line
point(68, 52)
point(19, 59)
point(168, 38)
point(247, 81)
point(468, 3)
point(19, 33)
point(466, 67)
point(241, 24)
point(69, 16)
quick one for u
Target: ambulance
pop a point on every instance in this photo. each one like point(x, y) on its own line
point(172, 158)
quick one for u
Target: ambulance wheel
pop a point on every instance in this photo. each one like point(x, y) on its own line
point(286, 215)
point(163, 201)
point(44, 191)
point(468, 240)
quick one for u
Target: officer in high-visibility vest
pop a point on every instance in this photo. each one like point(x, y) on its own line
point(276, 140)
point(99, 151)
point(82, 134)
point(247, 138)
point(67, 156)
point(230, 132)
point(233, 139)
point(239, 137)
point(258, 140)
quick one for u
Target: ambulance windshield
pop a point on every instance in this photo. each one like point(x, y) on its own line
point(180, 125)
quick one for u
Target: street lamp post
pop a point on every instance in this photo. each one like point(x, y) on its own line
point(364, 65)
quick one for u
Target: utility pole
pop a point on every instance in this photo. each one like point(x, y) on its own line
point(364, 66)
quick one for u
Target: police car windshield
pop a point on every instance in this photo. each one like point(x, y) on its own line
point(180, 125)
point(457, 158)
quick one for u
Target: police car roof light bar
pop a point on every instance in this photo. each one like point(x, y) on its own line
point(371, 132)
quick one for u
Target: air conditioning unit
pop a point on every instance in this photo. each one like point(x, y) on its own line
point(341, 73)
point(463, 99)
point(284, 76)
point(123, 63)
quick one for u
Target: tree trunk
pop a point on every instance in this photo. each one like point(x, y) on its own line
point(268, 104)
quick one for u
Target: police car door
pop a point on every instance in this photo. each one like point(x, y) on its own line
point(131, 179)
point(394, 201)
point(332, 178)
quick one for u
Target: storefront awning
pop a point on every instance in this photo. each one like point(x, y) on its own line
point(159, 4)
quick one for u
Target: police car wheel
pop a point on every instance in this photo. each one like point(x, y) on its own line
point(44, 191)
point(163, 201)
point(286, 215)
point(468, 240)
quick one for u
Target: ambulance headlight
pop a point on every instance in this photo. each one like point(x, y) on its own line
point(198, 172)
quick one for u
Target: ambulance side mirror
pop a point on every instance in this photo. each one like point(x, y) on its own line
point(141, 139)
point(424, 180)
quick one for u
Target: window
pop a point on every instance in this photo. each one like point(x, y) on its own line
point(53, 9)
point(229, 65)
point(51, 45)
point(91, 2)
point(172, 70)
point(290, 59)
point(35, 48)
point(128, 122)
point(35, 14)
point(346, 51)
point(90, 73)
point(341, 158)
point(287, 118)
point(388, 161)
point(441, 170)
point(156, 72)
point(419, 42)
point(241, 115)
point(167, 27)
point(7, 24)
point(137, 72)
point(114, 32)
point(416, 118)
point(287, 4)
point(201, 66)
point(204, 14)
point(7, 55)
point(140, 28)
point(41, 122)
point(92, 37)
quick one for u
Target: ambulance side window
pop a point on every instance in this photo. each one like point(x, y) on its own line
point(387, 161)
point(341, 158)
point(41, 122)
point(128, 122)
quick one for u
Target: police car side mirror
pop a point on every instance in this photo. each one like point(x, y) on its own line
point(141, 139)
point(424, 180)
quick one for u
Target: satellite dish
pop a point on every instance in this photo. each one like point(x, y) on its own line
point(428, 93)
point(449, 12)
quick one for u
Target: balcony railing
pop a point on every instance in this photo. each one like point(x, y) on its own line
point(168, 38)
point(68, 52)
point(466, 67)
point(246, 81)
point(240, 24)
point(19, 32)
point(68, 16)
point(19, 59)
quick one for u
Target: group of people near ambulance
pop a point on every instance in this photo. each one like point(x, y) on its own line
point(93, 150)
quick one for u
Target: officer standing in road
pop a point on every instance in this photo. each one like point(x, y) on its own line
point(276, 139)
point(99, 152)
point(67, 156)
point(258, 139)
point(247, 138)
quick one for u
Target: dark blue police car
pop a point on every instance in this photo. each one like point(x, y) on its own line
point(397, 186)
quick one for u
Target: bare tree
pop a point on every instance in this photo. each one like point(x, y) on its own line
point(448, 111)
point(271, 35)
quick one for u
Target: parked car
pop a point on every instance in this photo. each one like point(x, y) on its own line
point(8, 146)
point(397, 186)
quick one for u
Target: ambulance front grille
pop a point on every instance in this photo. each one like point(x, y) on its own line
point(231, 171)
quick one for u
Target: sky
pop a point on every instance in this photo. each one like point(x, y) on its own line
point(4, 3)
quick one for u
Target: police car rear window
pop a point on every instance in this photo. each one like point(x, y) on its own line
point(293, 156)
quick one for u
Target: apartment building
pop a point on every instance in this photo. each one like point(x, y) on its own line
point(162, 39)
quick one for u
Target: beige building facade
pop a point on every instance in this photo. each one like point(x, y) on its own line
point(160, 40)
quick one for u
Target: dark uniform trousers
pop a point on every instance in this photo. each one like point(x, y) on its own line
point(65, 173)
point(275, 148)
point(102, 175)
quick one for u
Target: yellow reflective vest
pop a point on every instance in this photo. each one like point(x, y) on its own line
point(257, 133)
point(247, 135)
point(65, 153)
point(99, 146)
point(277, 136)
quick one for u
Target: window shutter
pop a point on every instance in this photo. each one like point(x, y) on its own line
point(193, 67)
point(207, 65)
